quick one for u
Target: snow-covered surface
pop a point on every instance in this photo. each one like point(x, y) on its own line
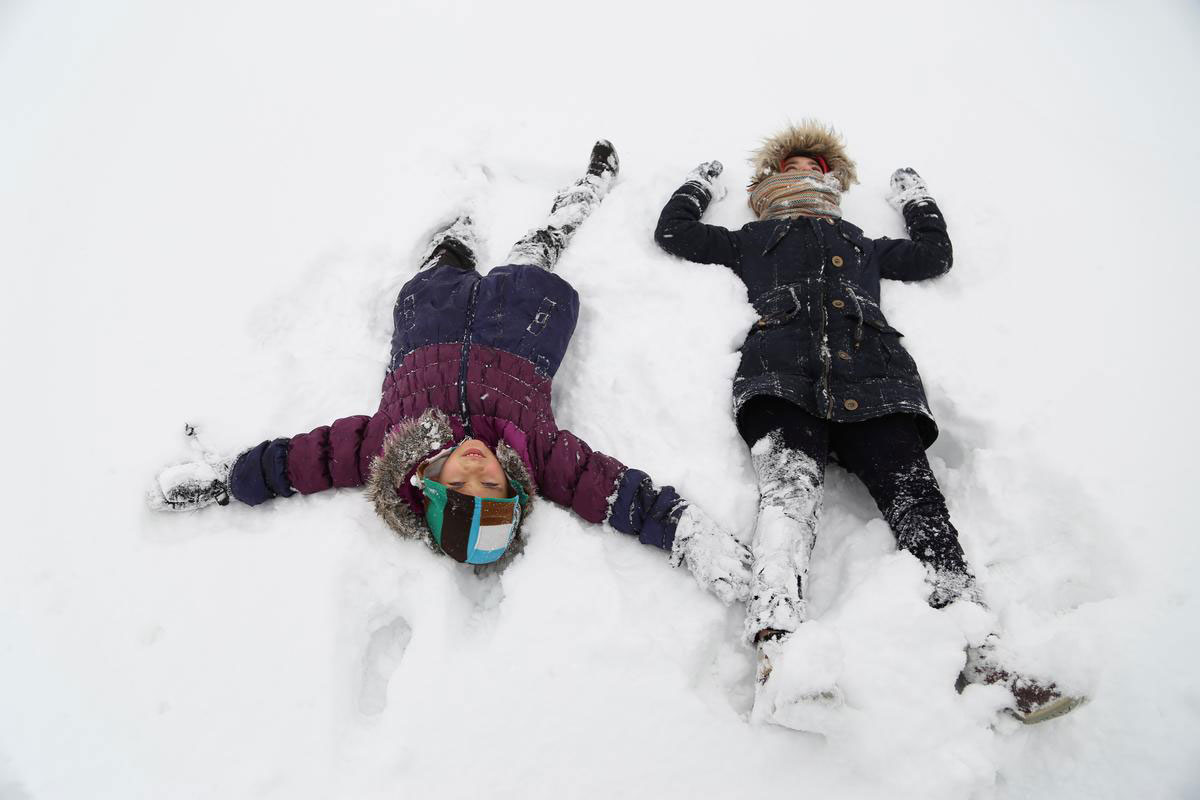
point(206, 210)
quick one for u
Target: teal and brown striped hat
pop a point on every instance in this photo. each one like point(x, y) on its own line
point(473, 530)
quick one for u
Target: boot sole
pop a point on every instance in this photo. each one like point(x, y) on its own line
point(1050, 711)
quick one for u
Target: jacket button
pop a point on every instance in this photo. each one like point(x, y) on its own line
point(837, 261)
point(850, 405)
point(843, 355)
point(839, 304)
point(829, 220)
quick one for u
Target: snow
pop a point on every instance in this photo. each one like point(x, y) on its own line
point(207, 211)
point(790, 484)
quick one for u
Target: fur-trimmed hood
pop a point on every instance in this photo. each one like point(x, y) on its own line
point(809, 137)
point(407, 445)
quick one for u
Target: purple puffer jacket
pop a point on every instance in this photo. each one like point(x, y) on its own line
point(482, 349)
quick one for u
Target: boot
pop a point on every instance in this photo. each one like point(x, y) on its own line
point(1034, 699)
point(604, 159)
point(454, 244)
point(797, 680)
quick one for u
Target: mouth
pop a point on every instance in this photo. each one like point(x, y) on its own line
point(473, 452)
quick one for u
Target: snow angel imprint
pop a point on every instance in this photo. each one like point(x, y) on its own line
point(822, 371)
point(464, 438)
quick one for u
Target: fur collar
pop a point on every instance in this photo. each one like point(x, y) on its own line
point(406, 445)
point(810, 136)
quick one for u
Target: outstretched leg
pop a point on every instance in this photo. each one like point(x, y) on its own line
point(789, 448)
point(542, 246)
point(888, 455)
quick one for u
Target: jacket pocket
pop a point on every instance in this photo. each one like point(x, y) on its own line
point(533, 346)
point(776, 309)
point(406, 316)
point(895, 358)
point(541, 318)
point(881, 326)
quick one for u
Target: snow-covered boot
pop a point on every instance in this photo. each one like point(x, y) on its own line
point(1034, 699)
point(604, 159)
point(541, 247)
point(797, 680)
point(790, 485)
point(454, 244)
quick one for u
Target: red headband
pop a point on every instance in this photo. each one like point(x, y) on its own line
point(818, 159)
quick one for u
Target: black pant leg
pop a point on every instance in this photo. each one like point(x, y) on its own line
point(888, 455)
point(799, 430)
point(448, 254)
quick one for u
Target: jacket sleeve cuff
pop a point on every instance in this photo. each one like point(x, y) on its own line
point(649, 513)
point(260, 473)
point(697, 192)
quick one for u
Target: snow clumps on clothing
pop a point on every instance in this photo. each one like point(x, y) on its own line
point(791, 486)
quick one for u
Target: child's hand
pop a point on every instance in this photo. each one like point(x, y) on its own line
point(192, 485)
point(705, 176)
point(907, 187)
point(718, 561)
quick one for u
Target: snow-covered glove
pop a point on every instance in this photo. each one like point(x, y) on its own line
point(705, 176)
point(907, 187)
point(192, 485)
point(718, 561)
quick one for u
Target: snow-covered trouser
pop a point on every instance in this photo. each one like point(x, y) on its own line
point(790, 486)
point(542, 246)
point(887, 454)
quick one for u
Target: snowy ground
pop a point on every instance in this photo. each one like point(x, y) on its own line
point(207, 208)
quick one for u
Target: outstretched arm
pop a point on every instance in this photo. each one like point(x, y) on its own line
point(680, 231)
point(337, 455)
point(331, 456)
point(927, 252)
point(600, 488)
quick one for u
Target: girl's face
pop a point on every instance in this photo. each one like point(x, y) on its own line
point(800, 164)
point(474, 469)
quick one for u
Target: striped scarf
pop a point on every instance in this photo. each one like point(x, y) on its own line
point(797, 194)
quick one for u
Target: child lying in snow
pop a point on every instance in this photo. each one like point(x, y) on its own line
point(464, 436)
point(822, 372)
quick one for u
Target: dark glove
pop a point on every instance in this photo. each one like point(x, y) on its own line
point(705, 176)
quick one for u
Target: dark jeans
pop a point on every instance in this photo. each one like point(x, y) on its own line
point(888, 456)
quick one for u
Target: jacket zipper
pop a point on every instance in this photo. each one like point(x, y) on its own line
point(462, 372)
point(826, 357)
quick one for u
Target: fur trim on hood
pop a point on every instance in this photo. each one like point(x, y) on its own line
point(407, 445)
point(811, 137)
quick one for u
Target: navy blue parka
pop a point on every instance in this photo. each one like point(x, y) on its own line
point(821, 340)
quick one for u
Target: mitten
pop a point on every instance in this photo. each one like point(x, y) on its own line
point(718, 561)
point(907, 187)
point(194, 484)
point(705, 176)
